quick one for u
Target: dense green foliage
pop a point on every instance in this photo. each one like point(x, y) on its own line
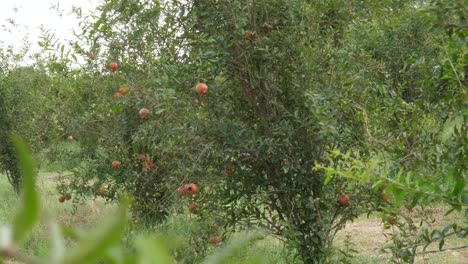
point(307, 101)
point(8, 160)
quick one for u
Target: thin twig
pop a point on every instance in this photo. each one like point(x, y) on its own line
point(445, 249)
point(456, 73)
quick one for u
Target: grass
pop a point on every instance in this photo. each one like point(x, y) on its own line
point(366, 235)
point(85, 215)
point(369, 236)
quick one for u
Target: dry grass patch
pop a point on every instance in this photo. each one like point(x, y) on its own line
point(368, 236)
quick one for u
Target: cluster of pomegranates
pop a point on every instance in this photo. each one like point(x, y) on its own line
point(143, 113)
point(65, 197)
point(187, 189)
point(113, 66)
point(120, 92)
point(192, 189)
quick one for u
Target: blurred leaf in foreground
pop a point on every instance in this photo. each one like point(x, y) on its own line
point(28, 213)
point(93, 245)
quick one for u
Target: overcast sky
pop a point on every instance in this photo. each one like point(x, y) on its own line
point(30, 14)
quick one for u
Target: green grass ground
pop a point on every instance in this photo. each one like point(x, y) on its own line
point(366, 235)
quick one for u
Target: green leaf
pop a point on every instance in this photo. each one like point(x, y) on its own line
point(399, 196)
point(448, 181)
point(458, 189)
point(160, 111)
point(28, 214)
point(450, 126)
point(329, 175)
point(449, 211)
point(441, 242)
point(377, 184)
point(70, 233)
point(222, 255)
point(116, 108)
point(116, 255)
point(152, 250)
point(57, 243)
point(414, 200)
point(409, 178)
point(94, 244)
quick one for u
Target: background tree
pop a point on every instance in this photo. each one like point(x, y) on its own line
point(8, 160)
point(275, 107)
point(312, 110)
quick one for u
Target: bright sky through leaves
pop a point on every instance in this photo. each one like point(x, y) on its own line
point(21, 18)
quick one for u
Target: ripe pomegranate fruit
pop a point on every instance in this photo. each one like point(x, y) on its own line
point(61, 199)
point(193, 207)
point(70, 138)
point(143, 113)
point(182, 190)
point(196, 102)
point(142, 157)
point(343, 200)
point(202, 88)
point(216, 240)
point(192, 188)
point(113, 66)
point(123, 91)
point(116, 164)
point(101, 190)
